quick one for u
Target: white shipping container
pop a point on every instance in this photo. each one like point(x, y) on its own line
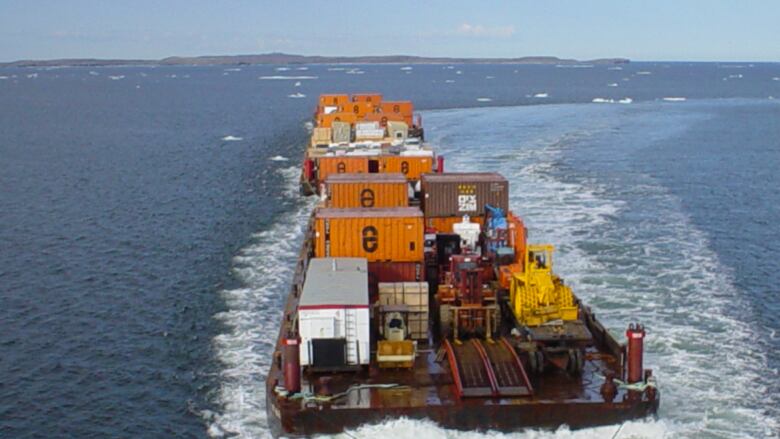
point(369, 134)
point(334, 305)
point(360, 126)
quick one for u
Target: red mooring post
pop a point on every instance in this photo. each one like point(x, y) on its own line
point(308, 169)
point(635, 335)
point(439, 164)
point(292, 365)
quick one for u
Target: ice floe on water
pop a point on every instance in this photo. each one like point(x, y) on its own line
point(288, 78)
point(612, 101)
point(232, 139)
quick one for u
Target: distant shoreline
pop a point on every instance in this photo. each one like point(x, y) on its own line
point(283, 58)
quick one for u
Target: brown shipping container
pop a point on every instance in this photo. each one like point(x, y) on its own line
point(340, 165)
point(367, 190)
point(396, 272)
point(381, 234)
point(443, 224)
point(410, 166)
point(458, 194)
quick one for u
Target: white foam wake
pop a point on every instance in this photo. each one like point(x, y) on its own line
point(659, 272)
point(265, 269)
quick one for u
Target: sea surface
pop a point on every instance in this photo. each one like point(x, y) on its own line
point(149, 219)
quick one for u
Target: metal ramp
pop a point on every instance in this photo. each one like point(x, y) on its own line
point(482, 369)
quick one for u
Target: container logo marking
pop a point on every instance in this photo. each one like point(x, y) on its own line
point(370, 239)
point(367, 198)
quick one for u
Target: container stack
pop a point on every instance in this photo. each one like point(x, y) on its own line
point(447, 197)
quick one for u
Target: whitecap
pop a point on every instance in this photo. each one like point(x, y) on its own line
point(615, 68)
point(235, 69)
point(94, 73)
point(603, 101)
point(302, 68)
point(296, 95)
point(282, 69)
point(541, 95)
point(116, 77)
point(3, 77)
point(489, 77)
point(336, 69)
point(32, 75)
point(625, 101)
point(290, 78)
point(776, 78)
point(297, 84)
point(406, 68)
point(449, 81)
point(458, 72)
point(232, 139)
point(612, 84)
point(644, 73)
point(675, 99)
point(279, 158)
point(484, 100)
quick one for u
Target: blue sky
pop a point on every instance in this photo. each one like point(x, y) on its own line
point(648, 30)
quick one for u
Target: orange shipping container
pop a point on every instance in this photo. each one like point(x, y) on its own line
point(374, 98)
point(367, 190)
point(382, 234)
point(443, 224)
point(359, 109)
point(404, 108)
point(412, 167)
point(333, 100)
point(326, 120)
point(340, 165)
point(383, 118)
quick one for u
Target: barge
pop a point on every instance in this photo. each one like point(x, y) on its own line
point(416, 294)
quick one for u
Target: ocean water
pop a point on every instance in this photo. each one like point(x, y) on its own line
point(149, 218)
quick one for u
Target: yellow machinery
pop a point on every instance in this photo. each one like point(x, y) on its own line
point(536, 294)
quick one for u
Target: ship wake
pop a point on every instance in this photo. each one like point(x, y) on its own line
point(265, 269)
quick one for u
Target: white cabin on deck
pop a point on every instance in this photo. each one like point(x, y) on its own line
point(333, 314)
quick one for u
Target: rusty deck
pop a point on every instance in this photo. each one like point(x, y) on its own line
point(474, 386)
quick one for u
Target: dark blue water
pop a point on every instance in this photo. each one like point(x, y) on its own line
point(143, 258)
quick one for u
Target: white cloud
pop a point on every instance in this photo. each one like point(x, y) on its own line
point(477, 30)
